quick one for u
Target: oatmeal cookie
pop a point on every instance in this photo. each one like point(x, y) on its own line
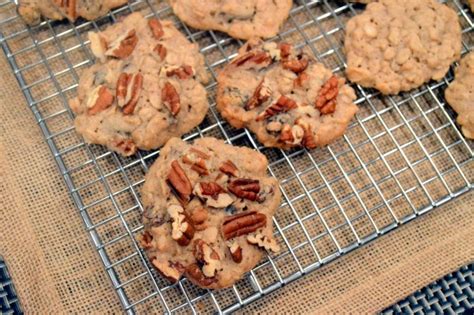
point(208, 211)
point(460, 95)
point(239, 18)
point(284, 96)
point(32, 10)
point(398, 45)
point(145, 88)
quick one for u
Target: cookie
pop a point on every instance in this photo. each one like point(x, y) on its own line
point(208, 211)
point(284, 96)
point(460, 95)
point(145, 87)
point(399, 45)
point(242, 19)
point(32, 10)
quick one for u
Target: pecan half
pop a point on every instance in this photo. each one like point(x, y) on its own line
point(257, 57)
point(170, 270)
point(182, 229)
point(206, 256)
point(229, 168)
point(235, 251)
point(180, 182)
point(170, 97)
point(156, 28)
point(123, 46)
point(283, 104)
point(128, 91)
point(99, 100)
point(263, 241)
point(213, 194)
point(126, 147)
point(195, 274)
point(69, 6)
point(161, 51)
point(260, 95)
point(242, 224)
point(308, 138)
point(245, 188)
point(285, 50)
point(296, 65)
point(292, 135)
point(326, 100)
point(184, 72)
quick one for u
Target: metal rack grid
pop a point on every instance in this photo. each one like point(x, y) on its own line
point(401, 157)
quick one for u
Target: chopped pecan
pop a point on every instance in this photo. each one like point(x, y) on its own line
point(123, 46)
point(126, 147)
point(98, 45)
point(229, 168)
point(283, 104)
point(182, 229)
point(213, 194)
point(145, 240)
point(184, 72)
point(156, 28)
point(292, 135)
point(308, 138)
point(170, 270)
point(195, 274)
point(180, 182)
point(300, 81)
point(296, 65)
point(161, 51)
point(199, 217)
point(128, 91)
point(257, 57)
point(99, 100)
point(263, 241)
point(260, 95)
point(206, 256)
point(69, 6)
point(197, 159)
point(170, 97)
point(326, 100)
point(235, 251)
point(245, 188)
point(285, 50)
point(242, 224)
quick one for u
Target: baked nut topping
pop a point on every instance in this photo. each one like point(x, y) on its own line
point(99, 100)
point(283, 104)
point(123, 46)
point(296, 65)
point(128, 91)
point(261, 95)
point(156, 28)
point(229, 168)
point(182, 228)
point(242, 224)
point(263, 241)
point(179, 181)
point(213, 195)
point(170, 98)
point(161, 51)
point(126, 147)
point(171, 271)
point(326, 101)
point(253, 57)
point(235, 251)
point(208, 257)
point(245, 188)
point(184, 72)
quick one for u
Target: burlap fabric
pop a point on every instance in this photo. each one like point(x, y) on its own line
point(56, 269)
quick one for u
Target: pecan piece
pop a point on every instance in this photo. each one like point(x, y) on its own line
point(184, 72)
point(292, 135)
point(245, 188)
point(99, 100)
point(98, 45)
point(308, 138)
point(285, 50)
point(195, 274)
point(128, 91)
point(170, 97)
point(235, 251)
point(263, 241)
point(145, 240)
point(161, 51)
point(206, 256)
point(182, 229)
point(300, 81)
point(199, 217)
point(257, 57)
point(326, 101)
point(213, 194)
point(260, 95)
point(296, 65)
point(123, 46)
point(197, 159)
point(229, 168)
point(69, 7)
point(283, 104)
point(179, 182)
point(156, 28)
point(126, 147)
point(242, 224)
point(170, 270)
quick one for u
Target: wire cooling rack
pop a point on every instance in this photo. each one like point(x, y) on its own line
point(401, 157)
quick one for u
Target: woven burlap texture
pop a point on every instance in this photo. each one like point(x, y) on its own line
point(56, 269)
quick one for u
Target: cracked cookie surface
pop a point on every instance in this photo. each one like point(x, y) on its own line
point(32, 10)
point(242, 19)
point(145, 87)
point(460, 95)
point(284, 96)
point(396, 46)
point(208, 211)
